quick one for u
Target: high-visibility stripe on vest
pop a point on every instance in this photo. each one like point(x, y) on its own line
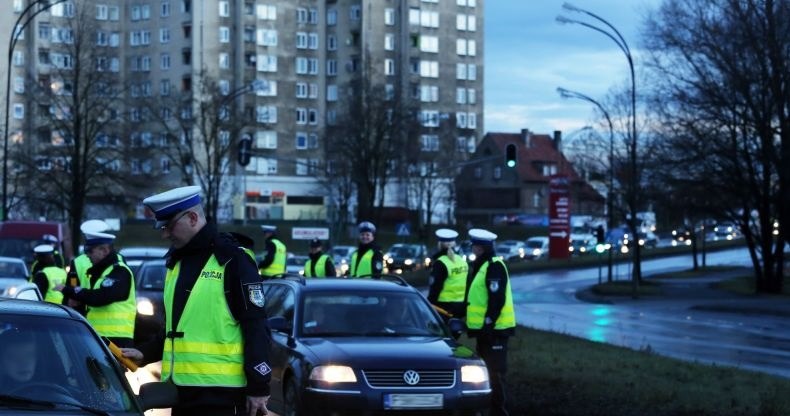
point(278, 264)
point(320, 267)
point(209, 348)
point(82, 263)
point(454, 287)
point(117, 318)
point(365, 266)
point(55, 276)
point(478, 301)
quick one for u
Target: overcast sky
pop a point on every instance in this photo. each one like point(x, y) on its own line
point(528, 55)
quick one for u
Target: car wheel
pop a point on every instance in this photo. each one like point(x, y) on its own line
point(292, 401)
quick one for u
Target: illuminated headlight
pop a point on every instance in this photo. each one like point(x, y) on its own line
point(776, 232)
point(472, 257)
point(145, 307)
point(408, 262)
point(344, 267)
point(536, 252)
point(521, 251)
point(474, 374)
point(389, 260)
point(729, 236)
point(688, 242)
point(582, 249)
point(570, 248)
point(428, 261)
point(301, 272)
point(641, 242)
point(12, 291)
point(674, 243)
point(333, 374)
point(624, 249)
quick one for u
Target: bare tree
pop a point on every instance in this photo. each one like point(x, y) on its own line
point(74, 156)
point(721, 81)
point(370, 135)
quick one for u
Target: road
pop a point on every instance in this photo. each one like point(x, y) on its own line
point(699, 326)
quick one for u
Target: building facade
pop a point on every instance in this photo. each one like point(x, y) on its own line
point(281, 68)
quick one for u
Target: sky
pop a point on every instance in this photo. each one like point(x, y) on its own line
point(528, 54)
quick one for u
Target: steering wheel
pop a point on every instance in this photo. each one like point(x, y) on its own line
point(40, 389)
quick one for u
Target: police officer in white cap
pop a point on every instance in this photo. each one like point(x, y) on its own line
point(48, 239)
point(447, 284)
point(368, 260)
point(213, 298)
point(490, 316)
point(49, 275)
point(109, 294)
point(273, 263)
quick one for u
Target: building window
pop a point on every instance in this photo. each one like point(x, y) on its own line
point(312, 116)
point(267, 37)
point(429, 143)
point(19, 111)
point(266, 114)
point(224, 8)
point(430, 118)
point(301, 90)
point(331, 67)
point(301, 116)
point(301, 140)
point(355, 12)
point(389, 17)
point(224, 60)
point(429, 69)
point(497, 172)
point(331, 43)
point(389, 67)
point(429, 44)
point(429, 93)
point(266, 12)
point(164, 11)
point(267, 63)
point(266, 139)
point(164, 35)
point(331, 17)
point(224, 34)
point(164, 87)
point(312, 41)
point(164, 61)
point(429, 19)
point(389, 42)
point(164, 165)
point(331, 92)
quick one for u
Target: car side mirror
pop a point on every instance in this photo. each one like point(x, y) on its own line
point(457, 327)
point(158, 395)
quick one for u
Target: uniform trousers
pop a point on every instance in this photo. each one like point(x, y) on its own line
point(493, 350)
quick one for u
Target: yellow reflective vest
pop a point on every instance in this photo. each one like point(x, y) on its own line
point(454, 287)
point(320, 267)
point(117, 318)
point(478, 301)
point(278, 264)
point(365, 267)
point(206, 348)
point(55, 276)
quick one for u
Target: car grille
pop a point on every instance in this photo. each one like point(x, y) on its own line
point(394, 378)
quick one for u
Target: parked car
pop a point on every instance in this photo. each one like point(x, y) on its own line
point(727, 231)
point(135, 256)
point(13, 267)
point(511, 250)
point(294, 263)
point(149, 290)
point(581, 244)
point(341, 256)
point(537, 248)
point(74, 371)
point(19, 288)
point(406, 257)
point(366, 346)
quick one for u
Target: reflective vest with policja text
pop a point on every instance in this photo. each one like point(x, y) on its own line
point(478, 301)
point(117, 318)
point(278, 264)
point(455, 285)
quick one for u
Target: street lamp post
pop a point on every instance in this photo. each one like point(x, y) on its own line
point(564, 93)
point(613, 34)
point(25, 17)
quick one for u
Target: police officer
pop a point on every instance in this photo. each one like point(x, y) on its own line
point(368, 260)
point(48, 239)
point(78, 266)
point(320, 264)
point(48, 276)
point(110, 293)
point(273, 264)
point(447, 284)
point(213, 298)
point(490, 317)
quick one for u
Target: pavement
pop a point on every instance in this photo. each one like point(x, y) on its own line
point(699, 293)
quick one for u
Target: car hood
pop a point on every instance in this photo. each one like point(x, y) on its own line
point(389, 352)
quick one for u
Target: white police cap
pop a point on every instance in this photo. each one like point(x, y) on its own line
point(482, 237)
point(50, 238)
point(44, 249)
point(366, 226)
point(93, 238)
point(166, 205)
point(269, 228)
point(97, 226)
point(446, 234)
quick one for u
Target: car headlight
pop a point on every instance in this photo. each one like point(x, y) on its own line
point(408, 262)
point(145, 307)
point(333, 374)
point(474, 374)
point(389, 260)
point(472, 257)
point(536, 252)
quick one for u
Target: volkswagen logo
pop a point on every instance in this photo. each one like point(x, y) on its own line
point(411, 377)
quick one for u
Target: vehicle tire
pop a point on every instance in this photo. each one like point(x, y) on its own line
point(292, 402)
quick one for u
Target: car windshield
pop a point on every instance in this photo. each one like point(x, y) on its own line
point(59, 363)
point(151, 276)
point(341, 251)
point(297, 261)
point(12, 269)
point(403, 251)
point(18, 247)
point(534, 243)
point(330, 314)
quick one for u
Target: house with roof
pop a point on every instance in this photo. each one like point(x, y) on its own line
point(489, 192)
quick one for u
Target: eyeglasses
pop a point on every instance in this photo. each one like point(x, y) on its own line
point(172, 223)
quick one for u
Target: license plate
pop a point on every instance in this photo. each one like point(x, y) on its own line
point(413, 401)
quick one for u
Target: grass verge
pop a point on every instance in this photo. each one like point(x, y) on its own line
point(554, 374)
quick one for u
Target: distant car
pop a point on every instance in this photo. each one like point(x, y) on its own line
point(149, 290)
point(581, 244)
point(134, 256)
point(341, 256)
point(365, 346)
point(18, 288)
point(13, 267)
point(511, 250)
point(726, 231)
point(465, 249)
point(295, 263)
point(406, 257)
point(537, 248)
point(74, 372)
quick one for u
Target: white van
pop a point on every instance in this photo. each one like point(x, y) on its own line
point(537, 248)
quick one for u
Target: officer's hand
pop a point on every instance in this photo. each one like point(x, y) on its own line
point(256, 405)
point(133, 354)
point(58, 288)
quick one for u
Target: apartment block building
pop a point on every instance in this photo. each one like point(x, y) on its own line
point(300, 56)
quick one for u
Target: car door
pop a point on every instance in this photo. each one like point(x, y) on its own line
point(280, 300)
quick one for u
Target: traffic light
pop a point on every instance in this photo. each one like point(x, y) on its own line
point(510, 155)
point(245, 147)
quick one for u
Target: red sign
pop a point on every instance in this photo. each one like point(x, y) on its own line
point(559, 217)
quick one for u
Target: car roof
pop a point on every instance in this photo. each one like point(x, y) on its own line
point(144, 251)
point(390, 283)
point(11, 259)
point(36, 308)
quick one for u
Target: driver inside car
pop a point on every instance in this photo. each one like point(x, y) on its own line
point(17, 358)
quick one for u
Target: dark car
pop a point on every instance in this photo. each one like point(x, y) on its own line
point(150, 286)
point(58, 365)
point(135, 256)
point(367, 346)
point(406, 257)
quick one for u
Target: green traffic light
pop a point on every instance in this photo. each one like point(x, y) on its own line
point(511, 163)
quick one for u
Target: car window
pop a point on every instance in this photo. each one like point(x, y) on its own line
point(12, 269)
point(279, 301)
point(61, 361)
point(152, 277)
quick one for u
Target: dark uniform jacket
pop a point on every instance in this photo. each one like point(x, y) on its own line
point(241, 276)
point(329, 266)
point(271, 250)
point(496, 299)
